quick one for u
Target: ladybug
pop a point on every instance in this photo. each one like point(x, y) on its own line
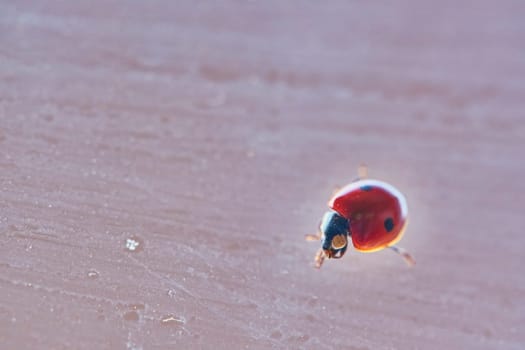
point(372, 213)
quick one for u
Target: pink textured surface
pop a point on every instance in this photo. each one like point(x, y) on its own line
point(213, 135)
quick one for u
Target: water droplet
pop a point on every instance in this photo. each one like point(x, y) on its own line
point(134, 244)
point(93, 274)
point(170, 320)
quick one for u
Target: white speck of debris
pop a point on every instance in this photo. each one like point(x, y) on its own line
point(132, 346)
point(92, 274)
point(173, 320)
point(132, 244)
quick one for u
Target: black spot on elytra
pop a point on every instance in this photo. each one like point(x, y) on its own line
point(366, 188)
point(389, 224)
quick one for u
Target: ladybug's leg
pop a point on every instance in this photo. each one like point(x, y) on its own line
point(313, 237)
point(335, 190)
point(362, 171)
point(320, 255)
point(319, 258)
point(404, 254)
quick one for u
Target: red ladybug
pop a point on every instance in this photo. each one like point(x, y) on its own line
point(371, 212)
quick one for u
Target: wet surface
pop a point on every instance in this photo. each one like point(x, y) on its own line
point(160, 164)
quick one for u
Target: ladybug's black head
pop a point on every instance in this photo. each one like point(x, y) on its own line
point(335, 230)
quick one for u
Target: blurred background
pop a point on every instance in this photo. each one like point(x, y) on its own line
point(161, 162)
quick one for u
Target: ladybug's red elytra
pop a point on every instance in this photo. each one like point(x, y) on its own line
point(370, 212)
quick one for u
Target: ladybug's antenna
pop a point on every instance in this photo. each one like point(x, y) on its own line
point(404, 254)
